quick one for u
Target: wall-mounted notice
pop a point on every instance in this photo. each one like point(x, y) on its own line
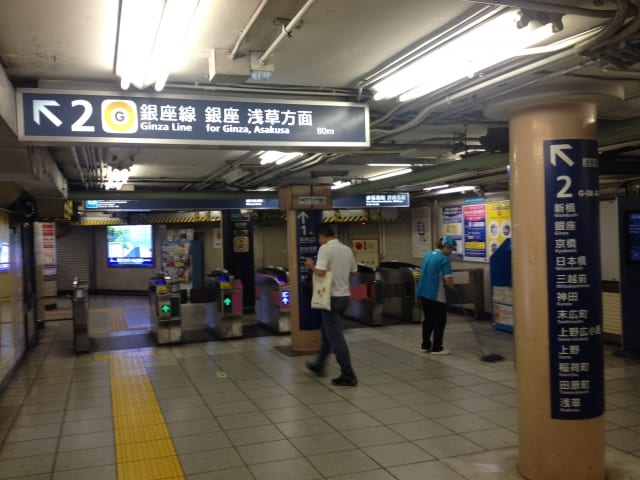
point(498, 224)
point(475, 231)
point(421, 241)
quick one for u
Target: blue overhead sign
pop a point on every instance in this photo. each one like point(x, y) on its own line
point(110, 117)
point(372, 200)
point(204, 204)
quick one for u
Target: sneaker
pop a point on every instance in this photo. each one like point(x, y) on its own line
point(317, 370)
point(345, 381)
point(441, 352)
point(424, 350)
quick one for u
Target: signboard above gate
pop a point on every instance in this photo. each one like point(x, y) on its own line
point(61, 116)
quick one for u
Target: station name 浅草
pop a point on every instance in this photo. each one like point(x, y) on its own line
point(231, 120)
point(181, 127)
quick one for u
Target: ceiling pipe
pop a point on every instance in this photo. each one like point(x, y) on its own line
point(245, 30)
point(550, 7)
point(286, 31)
point(74, 154)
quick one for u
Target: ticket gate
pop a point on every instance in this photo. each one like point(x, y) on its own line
point(223, 311)
point(399, 286)
point(365, 304)
point(273, 298)
point(80, 309)
point(164, 303)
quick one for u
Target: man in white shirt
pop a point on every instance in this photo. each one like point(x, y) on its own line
point(337, 258)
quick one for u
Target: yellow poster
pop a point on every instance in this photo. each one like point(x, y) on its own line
point(498, 224)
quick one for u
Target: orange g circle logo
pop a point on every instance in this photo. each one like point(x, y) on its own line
point(119, 116)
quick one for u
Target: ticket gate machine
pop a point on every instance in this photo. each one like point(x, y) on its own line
point(400, 282)
point(273, 298)
point(365, 304)
point(224, 310)
point(164, 303)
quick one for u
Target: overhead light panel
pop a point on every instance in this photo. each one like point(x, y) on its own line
point(115, 178)
point(152, 40)
point(389, 164)
point(460, 189)
point(393, 173)
point(435, 187)
point(274, 156)
point(488, 44)
point(340, 184)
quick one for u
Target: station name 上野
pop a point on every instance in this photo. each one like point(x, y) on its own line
point(91, 117)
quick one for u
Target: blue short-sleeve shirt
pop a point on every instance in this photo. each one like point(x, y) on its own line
point(435, 267)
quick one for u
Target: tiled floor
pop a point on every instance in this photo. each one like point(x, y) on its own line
point(241, 409)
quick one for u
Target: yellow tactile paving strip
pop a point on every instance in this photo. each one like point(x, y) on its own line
point(115, 322)
point(144, 450)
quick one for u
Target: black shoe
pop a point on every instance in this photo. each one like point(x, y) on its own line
point(345, 380)
point(317, 370)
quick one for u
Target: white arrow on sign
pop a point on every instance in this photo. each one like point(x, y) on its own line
point(303, 217)
point(40, 106)
point(557, 151)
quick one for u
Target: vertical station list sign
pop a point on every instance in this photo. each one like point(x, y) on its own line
point(573, 266)
point(306, 223)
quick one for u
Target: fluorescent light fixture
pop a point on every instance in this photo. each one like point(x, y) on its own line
point(486, 45)
point(461, 189)
point(435, 187)
point(393, 173)
point(273, 156)
point(340, 184)
point(152, 40)
point(389, 164)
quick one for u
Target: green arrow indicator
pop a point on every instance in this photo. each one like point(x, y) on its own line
point(165, 309)
point(227, 302)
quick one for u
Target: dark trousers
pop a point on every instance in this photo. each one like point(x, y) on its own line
point(333, 337)
point(435, 319)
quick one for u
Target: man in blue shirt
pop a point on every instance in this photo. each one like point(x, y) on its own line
point(435, 276)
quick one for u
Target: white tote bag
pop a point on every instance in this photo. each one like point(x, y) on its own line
point(321, 297)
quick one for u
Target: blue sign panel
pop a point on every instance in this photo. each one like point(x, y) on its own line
point(373, 200)
point(238, 253)
point(306, 223)
point(285, 298)
point(201, 204)
point(110, 117)
point(574, 281)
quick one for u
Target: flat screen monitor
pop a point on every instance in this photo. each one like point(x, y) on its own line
point(5, 262)
point(632, 237)
point(129, 246)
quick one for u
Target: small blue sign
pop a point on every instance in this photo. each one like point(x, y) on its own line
point(574, 280)
point(110, 117)
point(285, 298)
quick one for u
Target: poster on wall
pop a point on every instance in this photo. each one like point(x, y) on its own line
point(45, 238)
point(452, 227)
point(498, 224)
point(421, 241)
point(475, 231)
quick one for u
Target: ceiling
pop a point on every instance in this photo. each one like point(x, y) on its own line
point(333, 53)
